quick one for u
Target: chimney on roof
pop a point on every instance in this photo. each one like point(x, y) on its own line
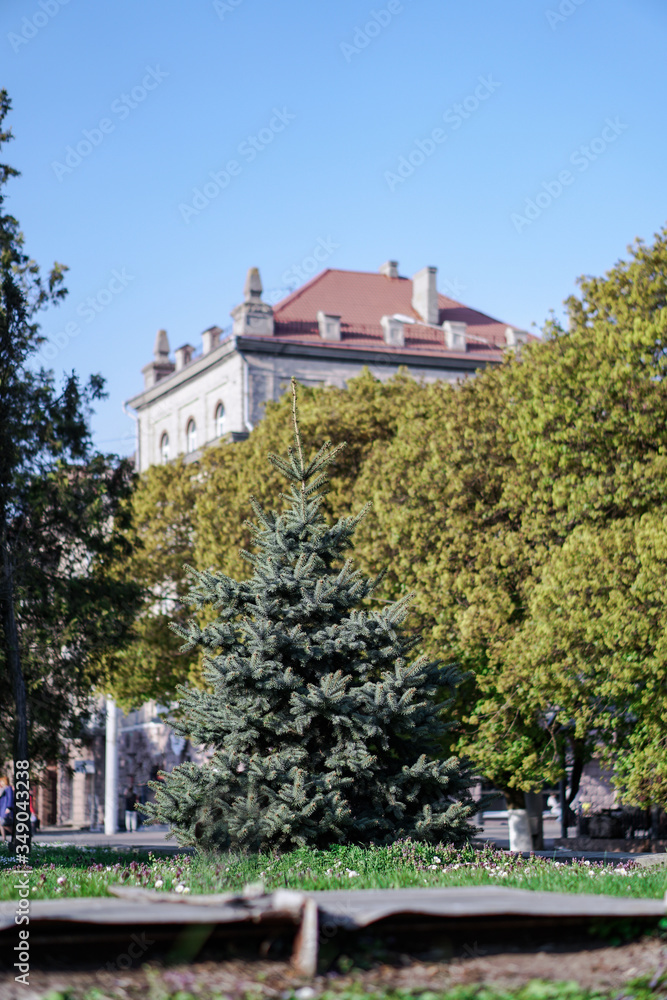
point(329, 325)
point(210, 339)
point(183, 356)
point(253, 315)
point(161, 346)
point(455, 335)
point(390, 269)
point(160, 367)
point(425, 295)
point(252, 290)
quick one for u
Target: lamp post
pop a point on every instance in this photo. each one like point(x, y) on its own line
point(111, 770)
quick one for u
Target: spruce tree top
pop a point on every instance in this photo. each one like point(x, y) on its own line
point(322, 728)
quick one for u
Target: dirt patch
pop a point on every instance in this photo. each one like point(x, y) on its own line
point(602, 968)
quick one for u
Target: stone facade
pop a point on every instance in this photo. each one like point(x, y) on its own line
point(596, 789)
point(323, 334)
point(193, 394)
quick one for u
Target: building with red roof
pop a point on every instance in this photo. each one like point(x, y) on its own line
point(323, 333)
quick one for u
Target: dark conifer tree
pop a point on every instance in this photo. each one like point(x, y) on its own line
point(322, 725)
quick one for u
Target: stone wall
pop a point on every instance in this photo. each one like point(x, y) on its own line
point(596, 791)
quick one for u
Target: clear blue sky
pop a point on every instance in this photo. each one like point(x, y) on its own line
point(200, 77)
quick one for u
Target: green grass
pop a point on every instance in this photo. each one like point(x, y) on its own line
point(61, 871)
point(537, 989)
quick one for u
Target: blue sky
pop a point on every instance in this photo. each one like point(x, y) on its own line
point(514, 145)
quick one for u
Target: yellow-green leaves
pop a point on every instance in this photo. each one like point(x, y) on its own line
point(525, 508)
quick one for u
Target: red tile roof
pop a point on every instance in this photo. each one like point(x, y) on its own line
point(361, 299)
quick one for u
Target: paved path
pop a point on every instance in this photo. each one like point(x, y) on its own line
point(149, 838)
point(155, 837)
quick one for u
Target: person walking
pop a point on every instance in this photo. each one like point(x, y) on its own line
point(131, 800)
point(6, 808)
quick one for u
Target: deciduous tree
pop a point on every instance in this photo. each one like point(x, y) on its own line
point(61, 521)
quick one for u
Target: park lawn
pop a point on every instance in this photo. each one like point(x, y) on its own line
point(58, 872)
point(643, 988)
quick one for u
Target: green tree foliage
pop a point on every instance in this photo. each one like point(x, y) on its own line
point(161, 513)
point(444, 529)
point(196, 513)
point(525, 510)
point(364, 415)
point(323, 726)
point(527, 478)
point(61, 522)
point(595, 641)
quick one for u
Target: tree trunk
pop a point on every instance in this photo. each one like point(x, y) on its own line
point(655, 822)
point(13, 654)
point(578, 764)
point(579, 759)
point(535, 808)
point(564, 807)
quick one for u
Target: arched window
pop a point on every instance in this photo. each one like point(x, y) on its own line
point(164, 447)
point(191, 437)
point(219, 420)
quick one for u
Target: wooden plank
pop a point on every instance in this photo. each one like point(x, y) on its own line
point(350, 908)
point(282, 907)
point(73, 924)
point(361, 907)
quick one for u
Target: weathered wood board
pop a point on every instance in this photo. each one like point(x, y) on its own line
point(304, 918)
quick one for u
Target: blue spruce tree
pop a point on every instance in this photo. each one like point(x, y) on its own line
point(323, 727)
